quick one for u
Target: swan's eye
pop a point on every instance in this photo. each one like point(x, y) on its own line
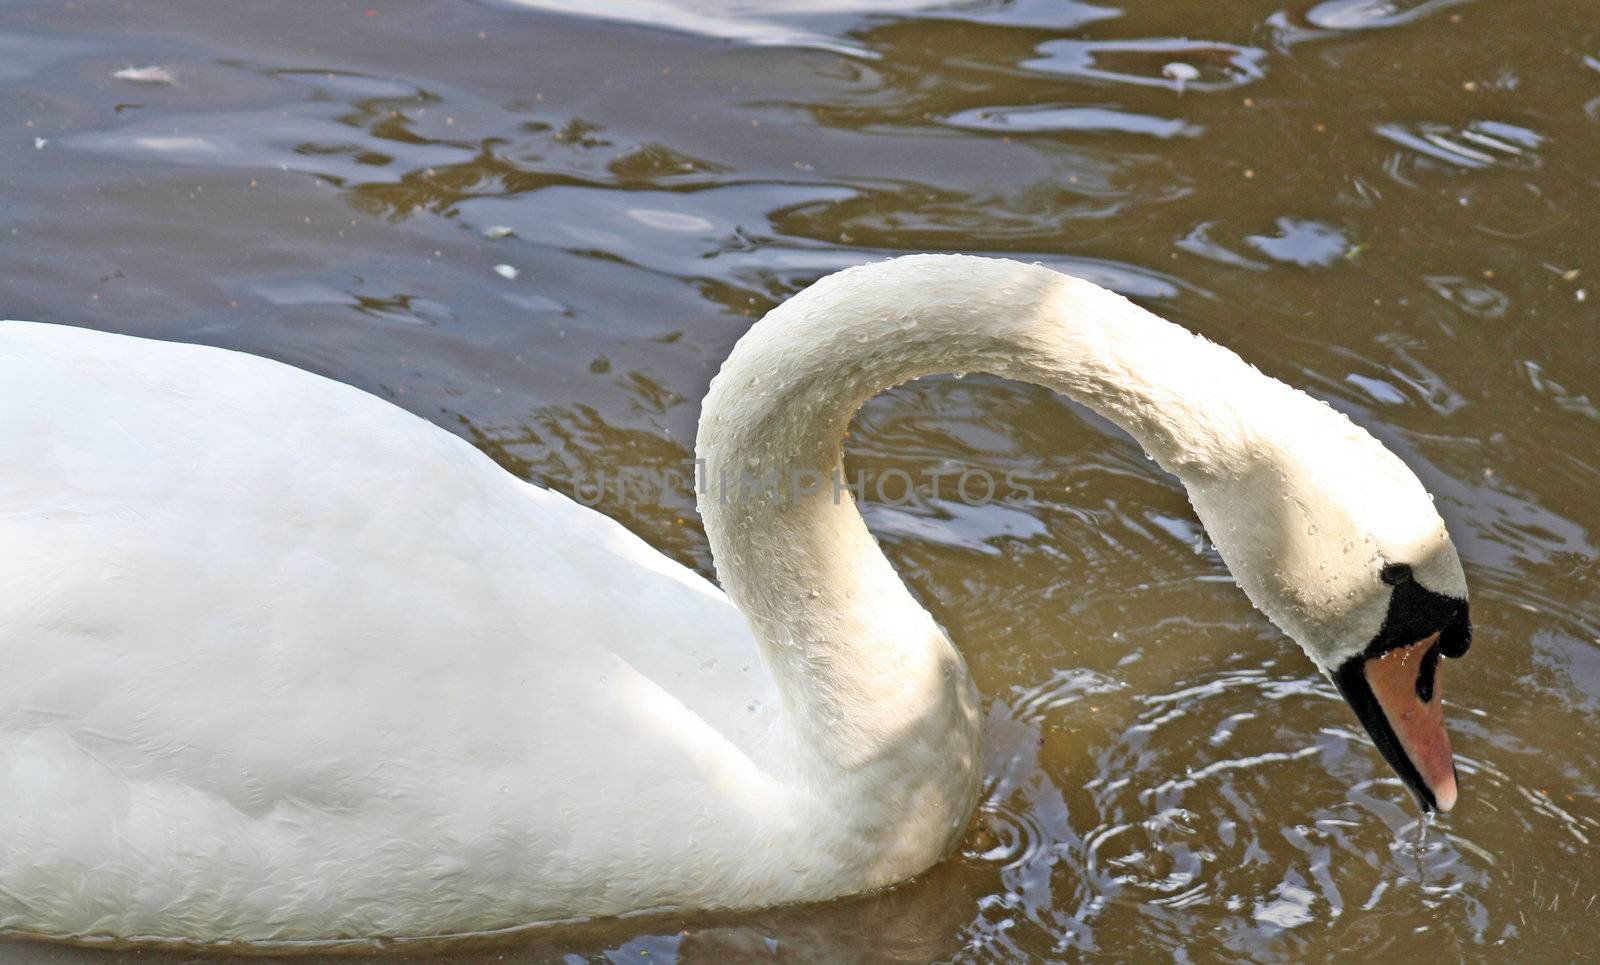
point(1395, 574)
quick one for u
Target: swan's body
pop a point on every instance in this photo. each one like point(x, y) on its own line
point(277, 652)
point(284, 663)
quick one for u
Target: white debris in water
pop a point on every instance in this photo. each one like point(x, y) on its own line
point(39, 143)
point(147, 75)
point(1180, 74)
point(497, 232)
point(506, 271)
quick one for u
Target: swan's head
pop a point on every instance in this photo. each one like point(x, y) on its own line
point(1336, 540)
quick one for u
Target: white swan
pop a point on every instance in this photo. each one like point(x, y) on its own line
point(283, 663)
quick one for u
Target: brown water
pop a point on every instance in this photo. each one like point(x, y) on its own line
point(1385, 202)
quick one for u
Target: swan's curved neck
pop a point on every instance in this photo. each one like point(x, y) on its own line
point(861, 665)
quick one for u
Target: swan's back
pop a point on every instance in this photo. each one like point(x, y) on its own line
point(276, 651)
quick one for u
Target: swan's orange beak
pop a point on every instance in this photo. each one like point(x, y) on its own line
point(1405, 682)
point(1396, 694)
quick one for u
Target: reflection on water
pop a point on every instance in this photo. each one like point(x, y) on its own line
point(786, 22)
point(1177, 64)
point(542, 225)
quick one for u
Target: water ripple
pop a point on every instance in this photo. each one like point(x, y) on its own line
point(1212, 65)
point(1041, 119)
point(1479, 144)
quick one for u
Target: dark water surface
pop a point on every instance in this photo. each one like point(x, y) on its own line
point(544, 231)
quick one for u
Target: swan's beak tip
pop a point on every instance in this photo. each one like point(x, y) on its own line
point(1444, 794)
